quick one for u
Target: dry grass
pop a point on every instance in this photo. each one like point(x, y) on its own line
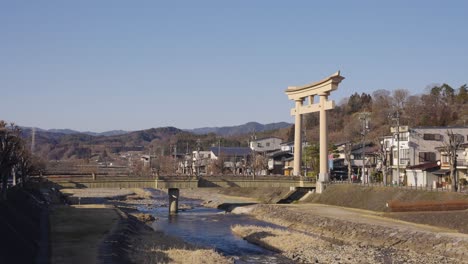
point(375, 198)
point(157, 255)
point(278, 240)
point(142, 192)
point(195, 256)
point(264, 195)
point(456, 220)
point(150, 246)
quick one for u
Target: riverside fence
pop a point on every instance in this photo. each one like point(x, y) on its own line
point(447, 188)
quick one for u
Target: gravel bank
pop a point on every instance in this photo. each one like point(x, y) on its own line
point(346, 237)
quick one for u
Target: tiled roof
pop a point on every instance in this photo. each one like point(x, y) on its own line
point(231, 151)
point(425, 166)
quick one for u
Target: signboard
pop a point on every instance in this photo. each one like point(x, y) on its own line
point(402, 129)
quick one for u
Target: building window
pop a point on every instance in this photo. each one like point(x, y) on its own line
point(459, 138)
point(404, 136)
point(445, 159)
point(268, 144)
point(404, 156)
point(435, 137)
point(427, 156)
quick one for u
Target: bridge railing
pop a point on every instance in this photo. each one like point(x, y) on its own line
point(178, 177)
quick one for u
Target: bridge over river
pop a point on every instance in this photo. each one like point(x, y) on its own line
point(174, 183)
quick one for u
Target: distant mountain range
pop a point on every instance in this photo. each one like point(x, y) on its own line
point(64, 144)
point(106, 133)
point(247, 128)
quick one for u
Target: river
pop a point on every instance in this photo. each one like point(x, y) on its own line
point(211, 228)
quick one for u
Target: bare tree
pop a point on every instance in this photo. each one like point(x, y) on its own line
point(400, 97)
point(25, 165)
point(450, 147)
point(167, 165)
point(10, 145)
point(260, 163)
point(217, 165)
point(382, 155)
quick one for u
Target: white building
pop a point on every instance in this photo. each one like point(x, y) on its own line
point(266, 144)
point(423, 175)
point(200, 161)
point(417, 146)
point(289, 146)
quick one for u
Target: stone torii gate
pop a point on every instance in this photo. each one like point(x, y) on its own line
point(299, 94)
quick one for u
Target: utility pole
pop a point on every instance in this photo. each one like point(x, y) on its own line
point(364, 117)
point(304, 140)
point(219, 147)
point(33, 140)
point(197, 169)
point(397, 137)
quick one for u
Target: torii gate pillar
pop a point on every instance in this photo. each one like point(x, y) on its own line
point(323, 89)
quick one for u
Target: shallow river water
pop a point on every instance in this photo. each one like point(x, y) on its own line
point(211, 228)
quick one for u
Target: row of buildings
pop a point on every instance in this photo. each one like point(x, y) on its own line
point(411, 156)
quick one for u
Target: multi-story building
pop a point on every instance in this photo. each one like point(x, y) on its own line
point(268, 144)
point(415, 146)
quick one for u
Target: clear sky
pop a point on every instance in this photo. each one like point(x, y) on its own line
point(104, 65)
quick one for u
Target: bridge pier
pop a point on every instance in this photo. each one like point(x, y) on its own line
point(173, 200)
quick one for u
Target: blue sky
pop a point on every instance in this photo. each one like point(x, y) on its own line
point(104, 65)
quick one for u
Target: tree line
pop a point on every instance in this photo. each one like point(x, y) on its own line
point(440, 105)
point(16, 160)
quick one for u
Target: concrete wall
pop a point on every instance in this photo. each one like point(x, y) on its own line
point(420, 178)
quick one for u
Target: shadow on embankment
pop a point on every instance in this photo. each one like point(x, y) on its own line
point(23, 227)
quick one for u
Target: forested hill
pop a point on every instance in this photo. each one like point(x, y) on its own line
point(248, 128)
point(439, 106)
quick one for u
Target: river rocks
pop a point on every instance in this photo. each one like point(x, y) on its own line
point(243, 209)
point(134, 197)
point(145, 218)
